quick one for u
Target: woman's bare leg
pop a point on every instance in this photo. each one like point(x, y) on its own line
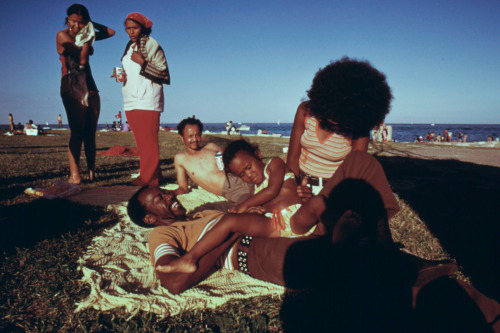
point(250, 224)
point(91, 119)
point(76, 120)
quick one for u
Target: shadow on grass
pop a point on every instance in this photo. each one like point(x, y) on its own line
point(460, 204)
point(26, 224)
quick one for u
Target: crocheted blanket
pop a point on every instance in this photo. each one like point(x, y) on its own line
point(117, 267)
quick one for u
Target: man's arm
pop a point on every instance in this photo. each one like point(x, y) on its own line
point(176, 283)
point(181, 175)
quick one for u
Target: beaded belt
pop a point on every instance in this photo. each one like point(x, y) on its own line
point(242, 255)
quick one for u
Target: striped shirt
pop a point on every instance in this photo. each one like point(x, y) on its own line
point(321, 158)
point(180, 237)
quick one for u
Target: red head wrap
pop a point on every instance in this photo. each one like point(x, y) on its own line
point(141, 19)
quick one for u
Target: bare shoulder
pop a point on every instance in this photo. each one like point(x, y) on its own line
point(303, 108)
point(62, 35)
point(277, 161)
point(212, 146)
point(62, 38)
point(179, 157)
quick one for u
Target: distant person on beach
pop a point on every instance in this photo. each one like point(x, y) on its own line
point(385, 133)
point(229, 125)
point(199, 164)
point(126, 127)
point(145, 69)
point(29, 125)
point(59, 121)
point(346, 100)
point(267, 213)
point(465, 137)
point(11, 122)
point(460, 136)
point(82, 112)
point(119, 117)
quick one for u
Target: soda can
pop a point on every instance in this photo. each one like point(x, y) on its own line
point(218, 160)
point(119, 74)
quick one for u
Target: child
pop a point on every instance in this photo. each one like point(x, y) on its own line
point(275, 191)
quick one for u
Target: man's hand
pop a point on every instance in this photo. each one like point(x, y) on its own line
point(303, 190)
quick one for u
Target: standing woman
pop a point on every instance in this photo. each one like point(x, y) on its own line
point(346, 100)
point(78, 89)
point(11, 122)
point(145, 71)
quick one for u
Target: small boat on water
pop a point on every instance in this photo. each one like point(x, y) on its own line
point(244, 128)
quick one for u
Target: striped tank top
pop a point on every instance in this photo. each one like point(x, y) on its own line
point(321, 158)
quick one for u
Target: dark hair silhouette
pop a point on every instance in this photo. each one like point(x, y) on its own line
point(360, 197)
point(78, 9)
point(136, 211)
point(351, 93)
point(189, 121)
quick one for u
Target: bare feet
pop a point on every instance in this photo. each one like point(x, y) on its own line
point(181, 265)
point(75, 179)
point(92, 175)
point(346, 227)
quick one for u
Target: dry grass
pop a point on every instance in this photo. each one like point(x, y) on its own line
point(43, 240)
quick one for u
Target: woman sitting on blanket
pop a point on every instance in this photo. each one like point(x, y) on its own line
point(266, 214)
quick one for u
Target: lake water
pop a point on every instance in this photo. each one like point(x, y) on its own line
point(400, 132)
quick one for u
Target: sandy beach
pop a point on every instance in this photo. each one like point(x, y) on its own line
point(484, 153)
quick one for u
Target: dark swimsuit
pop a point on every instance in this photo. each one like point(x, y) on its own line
point(75, 82)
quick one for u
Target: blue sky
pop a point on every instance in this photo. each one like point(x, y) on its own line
point(253, 61)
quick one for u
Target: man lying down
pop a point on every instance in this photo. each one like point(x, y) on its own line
point(351, 264)
point(262, 258)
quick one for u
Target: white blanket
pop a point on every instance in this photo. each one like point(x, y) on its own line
point(118, 269)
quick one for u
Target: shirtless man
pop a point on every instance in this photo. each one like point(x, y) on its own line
point(199, 164)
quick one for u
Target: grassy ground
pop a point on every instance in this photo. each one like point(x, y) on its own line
point(42, 240)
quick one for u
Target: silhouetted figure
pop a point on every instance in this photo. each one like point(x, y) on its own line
point(354, 279)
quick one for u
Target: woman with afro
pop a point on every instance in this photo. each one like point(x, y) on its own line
point(346, 100)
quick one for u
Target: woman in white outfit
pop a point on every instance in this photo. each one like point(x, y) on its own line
point(145, 71)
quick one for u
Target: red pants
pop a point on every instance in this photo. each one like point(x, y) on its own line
point(144, 125)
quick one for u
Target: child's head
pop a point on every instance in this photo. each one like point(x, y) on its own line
point(244, 160)
point(190, 130)
point(361, 198)
point(349, 97)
